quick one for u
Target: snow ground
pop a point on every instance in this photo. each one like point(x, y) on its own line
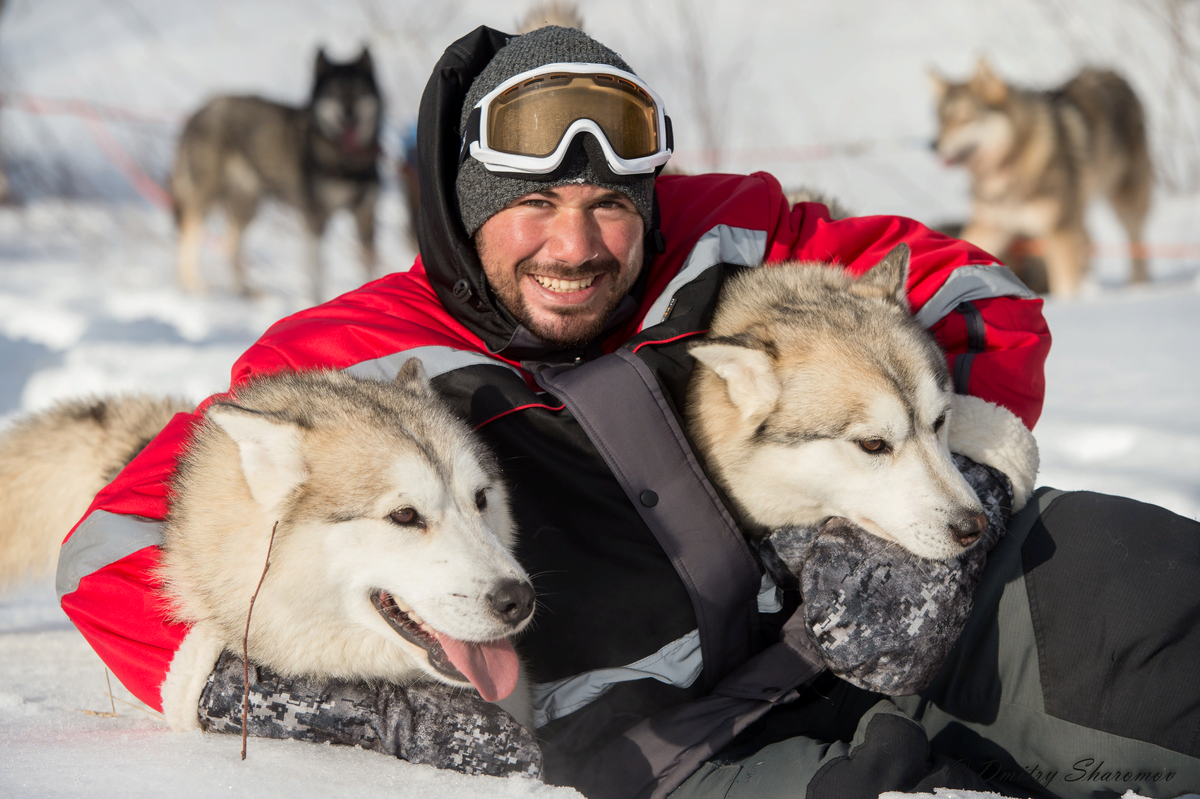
point(88, 303)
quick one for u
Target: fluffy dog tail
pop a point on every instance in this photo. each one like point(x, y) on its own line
point(53, 463)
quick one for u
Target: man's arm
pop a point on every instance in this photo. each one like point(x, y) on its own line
point(989, 324)
point(106, 571)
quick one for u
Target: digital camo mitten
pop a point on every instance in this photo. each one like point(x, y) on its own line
point(428, 723)
point(882, 618)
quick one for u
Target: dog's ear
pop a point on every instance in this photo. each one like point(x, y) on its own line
point(987, 84)
point(938, 82)
point(271, 451)
point(364, 62)
point(748, 373)
point(412, 377)
point(888, 278)
point(322, 64)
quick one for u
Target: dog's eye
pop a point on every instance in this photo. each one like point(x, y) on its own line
point(874, 446)
point(481, 498)
point(941, 420)
point(407, 517)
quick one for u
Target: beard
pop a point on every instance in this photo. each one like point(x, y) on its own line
point(570, 326)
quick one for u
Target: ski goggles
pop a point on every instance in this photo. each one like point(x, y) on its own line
point(527, 123)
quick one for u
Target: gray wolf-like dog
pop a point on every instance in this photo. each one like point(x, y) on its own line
point(391, 555)
point(816, 395)
point(321, 158)
point(1037, 157)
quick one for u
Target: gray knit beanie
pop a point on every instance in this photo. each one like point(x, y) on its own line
point(482, 193)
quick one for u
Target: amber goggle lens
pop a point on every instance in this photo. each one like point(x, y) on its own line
point(532, 117)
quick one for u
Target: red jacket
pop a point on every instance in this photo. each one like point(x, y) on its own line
point(991, 328)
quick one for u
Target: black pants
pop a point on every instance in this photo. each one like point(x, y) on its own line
point(1077, 676)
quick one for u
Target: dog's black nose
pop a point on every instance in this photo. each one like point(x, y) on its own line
point(512, 601)
point(968, 529)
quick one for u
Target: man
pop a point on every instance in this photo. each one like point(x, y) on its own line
point(558, 287)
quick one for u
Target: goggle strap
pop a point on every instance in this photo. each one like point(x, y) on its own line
point(470, 134)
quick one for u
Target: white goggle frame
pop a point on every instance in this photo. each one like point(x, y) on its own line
point(496, 161)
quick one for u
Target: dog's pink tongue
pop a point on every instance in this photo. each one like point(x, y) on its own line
point(491, 667)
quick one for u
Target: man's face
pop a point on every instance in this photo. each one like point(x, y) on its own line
point(561, 260)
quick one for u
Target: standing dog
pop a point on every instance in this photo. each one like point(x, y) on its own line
point(386, 522)
point(1036, 157)
point(817, 395)
point(237, 151)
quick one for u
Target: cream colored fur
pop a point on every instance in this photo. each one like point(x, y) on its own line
point(188, 675)
point(52, 464)
point(817, 395)
point(330, 483)
point(991, 434)
point(326, 460)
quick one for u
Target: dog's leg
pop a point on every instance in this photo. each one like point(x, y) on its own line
point(1066, 254)
point(364, 221)
point(191, 228)
point(233, 250)
point(987, 237)
point(240, 209)
point(315, 222)
point(1130, 200)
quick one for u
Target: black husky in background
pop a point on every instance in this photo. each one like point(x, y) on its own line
point(236, 151)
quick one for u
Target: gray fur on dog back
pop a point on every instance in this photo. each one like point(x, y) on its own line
point(882, 618)
point(424, 722)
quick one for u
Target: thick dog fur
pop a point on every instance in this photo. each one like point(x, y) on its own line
point(237, 151)
point(1037, 157)
point(369, 488)
point(816, 395)
point(52, 464)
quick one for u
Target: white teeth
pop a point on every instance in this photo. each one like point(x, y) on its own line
point(564, 286)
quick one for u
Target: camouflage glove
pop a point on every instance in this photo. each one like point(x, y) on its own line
point(882, 618)
point(426, 723)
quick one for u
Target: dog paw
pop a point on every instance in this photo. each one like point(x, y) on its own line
point(991, 434)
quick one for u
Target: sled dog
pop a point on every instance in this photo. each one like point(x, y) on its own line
point(817, 395)
point(1037, 157)
point(237, 151)
point(386, 521)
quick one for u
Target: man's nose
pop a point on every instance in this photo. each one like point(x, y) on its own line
point(574, 238)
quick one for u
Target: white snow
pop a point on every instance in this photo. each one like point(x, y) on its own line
point(88, 302)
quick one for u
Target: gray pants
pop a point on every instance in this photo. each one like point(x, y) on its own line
point(1077, 676)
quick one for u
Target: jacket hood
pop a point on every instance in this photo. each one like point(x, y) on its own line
point(449, 256)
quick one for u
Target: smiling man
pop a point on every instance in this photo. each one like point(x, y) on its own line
point(561, 260)
point(560, 283)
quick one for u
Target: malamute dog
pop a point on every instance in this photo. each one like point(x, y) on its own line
point(817, 395)
point(237, 151)
point(392, 534)
point(1036, 157)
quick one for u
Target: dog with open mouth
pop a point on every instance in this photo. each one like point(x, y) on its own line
point(376, 521)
